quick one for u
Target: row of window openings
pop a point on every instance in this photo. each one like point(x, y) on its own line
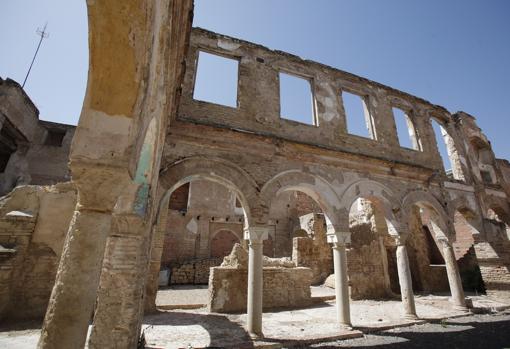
point(216, 81)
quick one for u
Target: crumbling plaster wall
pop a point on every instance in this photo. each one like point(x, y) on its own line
point(34, 222)
point(335, 168)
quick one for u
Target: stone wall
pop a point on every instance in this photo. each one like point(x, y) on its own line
point(284, 284)
point(314, 252)
point(367, 254)
point(193, 272)
point(33, 151)
point(33, 225)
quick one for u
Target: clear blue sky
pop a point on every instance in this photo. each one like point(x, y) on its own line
point(455, 53)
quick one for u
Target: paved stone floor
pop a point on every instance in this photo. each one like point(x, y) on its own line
point(379, 320)
point(475, 331)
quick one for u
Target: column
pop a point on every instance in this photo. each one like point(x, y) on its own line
point(120, 296)
point(339, 239)
point(404, 279)
point(454, 280)
point(72, 299)
point(256, 237)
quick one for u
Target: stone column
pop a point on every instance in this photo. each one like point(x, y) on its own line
point(404, 279)
point(454, 280)
point(119, 305)
point(72, 299)
point(256, 237)
point(339, 239)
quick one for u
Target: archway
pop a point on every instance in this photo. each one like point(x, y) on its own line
point(198, 205)
point(371, 256)
point(432, 217)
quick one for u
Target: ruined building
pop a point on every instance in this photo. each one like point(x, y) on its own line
point(32, 151)
point(165, 179)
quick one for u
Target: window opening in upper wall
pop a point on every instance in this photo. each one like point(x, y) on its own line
point(358, 118)
point(406, 132)
point(296, 99)
point(448, 151)
point(216, 79)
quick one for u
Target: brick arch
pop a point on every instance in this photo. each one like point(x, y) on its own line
point(379, 195)
point(310, 184)
point(222, 242)
point(218, 171)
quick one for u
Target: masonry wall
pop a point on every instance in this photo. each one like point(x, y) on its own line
point(40, 149)
point(33, 224)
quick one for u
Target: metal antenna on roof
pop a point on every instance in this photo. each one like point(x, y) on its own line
point(43, 34)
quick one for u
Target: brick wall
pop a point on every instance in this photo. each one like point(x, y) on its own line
point(282, 287)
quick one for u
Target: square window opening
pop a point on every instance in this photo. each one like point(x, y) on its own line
point(216, 79)
point(296, 99)
point(357, 116)
point(406, 132)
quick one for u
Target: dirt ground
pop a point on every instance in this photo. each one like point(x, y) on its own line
point(379, 323)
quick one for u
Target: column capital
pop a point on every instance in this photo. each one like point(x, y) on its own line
point(256, 233)
point(339, 237)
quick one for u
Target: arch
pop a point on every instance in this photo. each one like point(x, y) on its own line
point(312, 185)
point(218, 171)
point(379, 195)
point(442, 225)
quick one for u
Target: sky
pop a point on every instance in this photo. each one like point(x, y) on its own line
point(455, 53)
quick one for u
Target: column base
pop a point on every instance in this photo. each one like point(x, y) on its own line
point(256, 336)
point(461, 308)
point(411, 317)
point(346, 327)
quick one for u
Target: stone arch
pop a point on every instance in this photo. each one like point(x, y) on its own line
point(218, 171)
point(441, 222)
point(312, 185)
point(379, 195)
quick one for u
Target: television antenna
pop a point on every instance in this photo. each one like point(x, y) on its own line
point(43, 34)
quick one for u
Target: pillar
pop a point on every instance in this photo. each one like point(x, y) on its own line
point(72, 299)
point(339, 239)
point(120, 297)
point(256, 237)
point(404, 279)
point(454, 279)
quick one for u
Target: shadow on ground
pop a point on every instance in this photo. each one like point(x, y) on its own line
point(451, 335)
point(223, 333)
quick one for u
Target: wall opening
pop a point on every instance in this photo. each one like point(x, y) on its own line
point(357, 116)
point(448, 152)
point(296, 99)
point(202, 225)
point(216, 79)
point(406, 131)
point(371, 258)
